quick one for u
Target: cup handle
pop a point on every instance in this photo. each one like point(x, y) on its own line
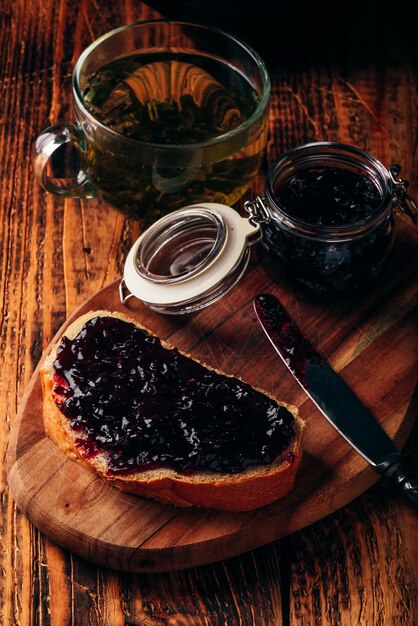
point(52, 138)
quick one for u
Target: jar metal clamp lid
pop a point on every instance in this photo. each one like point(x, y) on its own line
point(192, 257)
point(189, 258)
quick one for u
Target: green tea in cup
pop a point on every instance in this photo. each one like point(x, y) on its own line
point(168, 114)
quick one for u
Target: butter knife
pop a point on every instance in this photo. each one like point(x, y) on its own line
point(333, 397)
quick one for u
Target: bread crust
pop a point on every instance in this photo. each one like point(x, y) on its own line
point(252, 488)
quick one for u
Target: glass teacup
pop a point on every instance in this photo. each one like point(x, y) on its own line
point(167, 114)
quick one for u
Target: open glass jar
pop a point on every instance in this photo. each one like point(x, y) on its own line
point(189, 259)
point(327, 216)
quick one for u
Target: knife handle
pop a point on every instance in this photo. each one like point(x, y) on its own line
point(405, 478)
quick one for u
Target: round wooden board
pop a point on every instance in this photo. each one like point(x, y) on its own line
point(372, 340)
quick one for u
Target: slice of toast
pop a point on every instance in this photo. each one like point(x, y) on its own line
point(239, 490)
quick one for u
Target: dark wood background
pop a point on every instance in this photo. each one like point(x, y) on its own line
point(348, 74)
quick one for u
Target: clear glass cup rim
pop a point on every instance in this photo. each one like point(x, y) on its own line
point(265, 79)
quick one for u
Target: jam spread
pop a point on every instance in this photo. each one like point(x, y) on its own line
point(148, 406)
point(286, 337)
point(328, 196)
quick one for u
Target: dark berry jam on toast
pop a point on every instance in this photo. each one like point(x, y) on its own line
point(147, 406)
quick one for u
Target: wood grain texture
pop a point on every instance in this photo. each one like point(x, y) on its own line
point(334, 568)
point(339, 73)
point(90, 518)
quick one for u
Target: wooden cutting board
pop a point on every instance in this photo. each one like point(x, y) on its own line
point(370, 338)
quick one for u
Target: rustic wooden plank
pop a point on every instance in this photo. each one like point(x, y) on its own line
point(335, 572)
point(240, 591)
point(334, 568)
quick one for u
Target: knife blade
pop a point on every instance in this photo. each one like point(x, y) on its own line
point(333, 397)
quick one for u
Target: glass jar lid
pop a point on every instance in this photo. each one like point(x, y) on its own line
point(189, 258)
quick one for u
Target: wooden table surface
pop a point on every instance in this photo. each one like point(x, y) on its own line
point(347, 74)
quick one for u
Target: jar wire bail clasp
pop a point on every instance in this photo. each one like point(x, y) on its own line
point(402, 200)
point(124, 293)
point(257, 211)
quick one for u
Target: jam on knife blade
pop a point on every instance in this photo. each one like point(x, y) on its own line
point(327, 389)
point(293, 346)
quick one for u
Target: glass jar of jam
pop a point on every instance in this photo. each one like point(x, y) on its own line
point(327, 216)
